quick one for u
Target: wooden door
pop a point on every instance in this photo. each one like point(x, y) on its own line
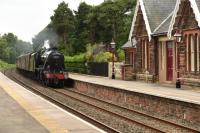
point(169, 55)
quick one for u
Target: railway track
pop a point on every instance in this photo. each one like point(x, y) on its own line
point(129, 115)
point(115, 112)
point(64, 106)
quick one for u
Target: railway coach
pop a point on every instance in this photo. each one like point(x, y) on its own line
point(46, 66)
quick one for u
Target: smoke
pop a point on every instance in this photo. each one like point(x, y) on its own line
point(52, 38)
point(46, 44)
point(46, 38)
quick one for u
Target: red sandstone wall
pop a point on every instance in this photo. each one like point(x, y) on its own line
point(152, 104)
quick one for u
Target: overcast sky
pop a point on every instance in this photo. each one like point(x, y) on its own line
point(25, 18)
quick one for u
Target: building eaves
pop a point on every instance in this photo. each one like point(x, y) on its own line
point(127, 45)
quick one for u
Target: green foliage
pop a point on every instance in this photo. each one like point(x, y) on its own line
point(62, 20)
point(103, 57)
point(11, 47)
point(5, 65)
point(76, 58)
point(90, 50)
point(77, 67)
point(121, 55)
point(90, 25)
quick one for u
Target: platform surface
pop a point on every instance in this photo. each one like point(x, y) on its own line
point(21, 111)
point(144, 88)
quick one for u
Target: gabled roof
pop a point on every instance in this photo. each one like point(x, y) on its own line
point(155, 13)
point(140, 4)
point(158, 11)
point(164, 26)
point(130, 44)
point(195, 4)
point(127, 45)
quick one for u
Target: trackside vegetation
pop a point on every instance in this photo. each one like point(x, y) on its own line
point(5, 65)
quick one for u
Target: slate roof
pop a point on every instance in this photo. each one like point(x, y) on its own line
point(164, 27)
point(127, 45)
point(157, 11)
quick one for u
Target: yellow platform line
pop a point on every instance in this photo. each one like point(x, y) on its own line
point(50, 124)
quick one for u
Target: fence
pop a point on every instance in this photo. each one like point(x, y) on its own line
point(98, 69)
point(76, 67)
point(91, 68)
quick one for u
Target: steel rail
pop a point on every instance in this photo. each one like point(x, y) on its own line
point(66, 107)
point(114, 114)
point(137, 112)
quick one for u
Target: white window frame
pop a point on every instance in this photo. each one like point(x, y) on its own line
point(187, 52)
point(146, 60)
point(192, 50)
point(163, 55)
point(197, 39)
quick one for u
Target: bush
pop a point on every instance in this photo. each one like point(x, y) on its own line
point(103, 57)
point(5, 65)
point(90, 51)
point(121, 55)
point(76, 58)
point(77, 67)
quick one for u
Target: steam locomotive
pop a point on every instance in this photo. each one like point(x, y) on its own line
point(47, 66)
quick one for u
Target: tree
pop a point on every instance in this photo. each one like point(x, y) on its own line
point(90, 25)
point(63, 21)
point(3, 45)
point(11, 47)
point(82, 29)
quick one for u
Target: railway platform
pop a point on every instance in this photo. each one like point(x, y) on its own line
point(183, 95)
point(160, 101)
point(21, 111)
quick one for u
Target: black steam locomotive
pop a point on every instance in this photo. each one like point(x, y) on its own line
point(46, 66)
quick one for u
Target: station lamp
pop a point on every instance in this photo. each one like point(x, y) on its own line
point(178, 37)
point(113, 45)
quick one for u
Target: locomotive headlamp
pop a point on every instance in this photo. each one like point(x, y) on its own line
point(66, 75)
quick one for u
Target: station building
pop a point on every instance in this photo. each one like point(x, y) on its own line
point(153, 52)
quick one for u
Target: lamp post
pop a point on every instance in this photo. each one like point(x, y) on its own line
point(178, 37)
point(113, 51)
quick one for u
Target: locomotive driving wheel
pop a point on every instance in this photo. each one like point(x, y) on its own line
point(61, 83)
point(47, 82)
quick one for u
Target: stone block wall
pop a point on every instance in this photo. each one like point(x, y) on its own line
point(127, 72)
point(154, 105)
point(145, 77)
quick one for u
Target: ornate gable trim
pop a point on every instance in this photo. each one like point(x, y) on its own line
point(141, 4)
point(195, 10)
